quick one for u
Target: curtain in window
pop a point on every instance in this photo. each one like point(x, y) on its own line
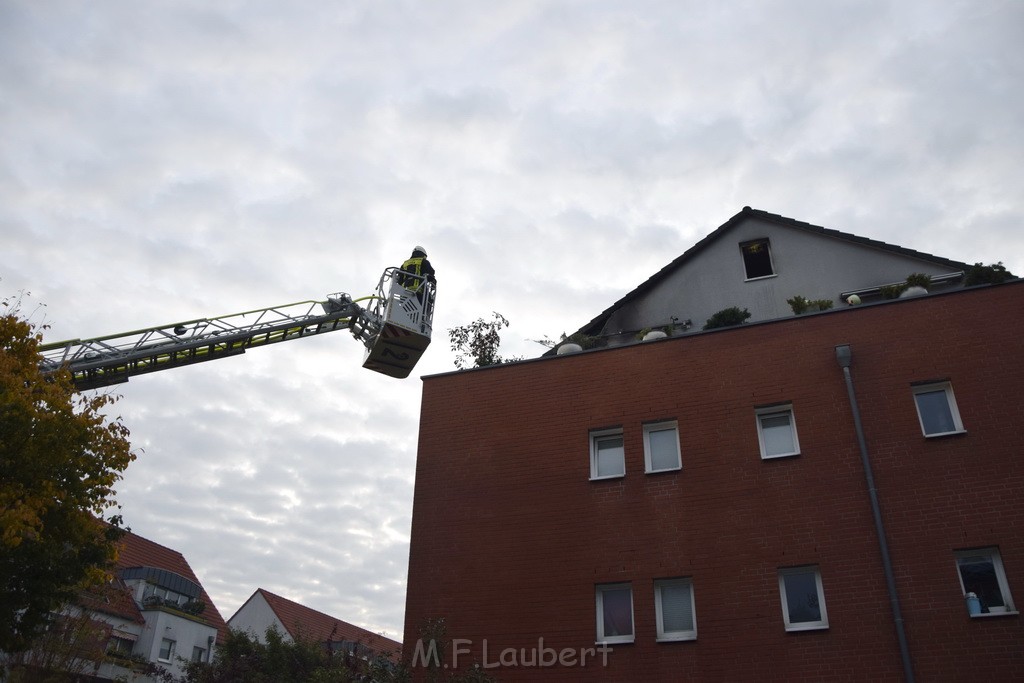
point(676, 611)
point(610, 456)
point(664, 455)
point(802, 597)
point(617, 604)
point(935, 413)
point(777, 432)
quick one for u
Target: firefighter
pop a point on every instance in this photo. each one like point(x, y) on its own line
point(419, 266)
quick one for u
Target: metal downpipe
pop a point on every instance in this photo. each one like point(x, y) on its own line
point(844, 356)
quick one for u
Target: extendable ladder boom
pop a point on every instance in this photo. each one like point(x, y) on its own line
point(112, 359)
point(395, 328)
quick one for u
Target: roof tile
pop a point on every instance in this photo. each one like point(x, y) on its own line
point(136, 551)
point(308, 623)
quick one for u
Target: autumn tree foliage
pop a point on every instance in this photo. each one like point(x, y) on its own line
point(60, 458)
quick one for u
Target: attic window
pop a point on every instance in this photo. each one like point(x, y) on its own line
point(757, 258)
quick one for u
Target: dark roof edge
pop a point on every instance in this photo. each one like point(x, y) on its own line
point(747, 212)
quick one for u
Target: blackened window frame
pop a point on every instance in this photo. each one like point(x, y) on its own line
point(757, 259)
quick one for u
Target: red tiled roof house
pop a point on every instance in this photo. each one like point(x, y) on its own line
point(264, 610)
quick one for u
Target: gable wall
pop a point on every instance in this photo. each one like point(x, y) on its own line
point(807, 264)
point(255, 616)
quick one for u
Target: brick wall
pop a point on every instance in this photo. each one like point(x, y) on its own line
point(510, 535)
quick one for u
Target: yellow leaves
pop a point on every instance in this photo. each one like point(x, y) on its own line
point(60, 458)
point(17, 523)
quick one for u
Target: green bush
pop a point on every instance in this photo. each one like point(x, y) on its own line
point(727, 317)
point(919, 280)
point(801, 305)
point(991, 274)
point(913, 280)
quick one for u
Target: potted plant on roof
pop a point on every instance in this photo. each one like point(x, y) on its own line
point(994, 273)
point(801, 305)
point(727, 317)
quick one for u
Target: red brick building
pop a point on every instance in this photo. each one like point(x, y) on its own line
point(699, 503)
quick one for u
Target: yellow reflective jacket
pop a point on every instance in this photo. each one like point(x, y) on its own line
point(414, 266)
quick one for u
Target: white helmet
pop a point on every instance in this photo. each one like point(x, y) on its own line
point(419, 249)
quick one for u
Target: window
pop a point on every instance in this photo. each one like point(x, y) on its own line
point(776, 431)
point(661, 447)
point(158, 595)
point(981, 573)
point(757, 258)
point(607, 455)
point(166, 650)
point(936, 409)
point(673, 605)
point(615, 613)
point(803, 599)
point(198, 653)
point(120, 647)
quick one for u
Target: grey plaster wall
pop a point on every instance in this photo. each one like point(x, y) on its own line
point(806, 264)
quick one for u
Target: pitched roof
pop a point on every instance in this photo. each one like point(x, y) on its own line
point(308, 623)
point(595, 325)
point(113, 598)
point(136, 551)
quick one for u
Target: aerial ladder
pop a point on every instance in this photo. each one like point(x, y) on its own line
point(394, 324)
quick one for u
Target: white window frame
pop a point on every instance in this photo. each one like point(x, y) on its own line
point(771, 259)
point(771, 411)
point(663, 426)
point(599, 594)
point(670, 636)
point(595, 438)
point(821, 623)
point(120, 646)
point(997, 565)
point(170, 650)
point(958, 425)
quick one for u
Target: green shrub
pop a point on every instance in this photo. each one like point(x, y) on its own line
point(727, 317)
point(919, 280)
point(991, 274)
point(823, 304)
point(893, 291)
point(801, 305)
point(798, 304)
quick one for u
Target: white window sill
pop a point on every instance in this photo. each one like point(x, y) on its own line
point(677, 639)
point(940, 434)
point(667, 469)
point(797, 628)
point(780, 455)
point(623, 640)
point(763, 277)
point(1011, 613)
point(608, 476)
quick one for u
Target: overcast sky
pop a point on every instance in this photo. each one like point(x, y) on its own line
point(163, 161)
